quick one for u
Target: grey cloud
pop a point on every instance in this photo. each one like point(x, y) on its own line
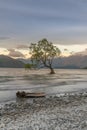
point(84, 52)
point(14, 53)
point(22, 47)
point(53, 19)
point(62, 9)
point(4, 38)
point(11, 50)
point(65, 49)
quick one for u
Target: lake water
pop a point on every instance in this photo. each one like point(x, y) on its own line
point(65, 80)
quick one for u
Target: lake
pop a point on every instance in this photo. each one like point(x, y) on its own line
point(65, 80)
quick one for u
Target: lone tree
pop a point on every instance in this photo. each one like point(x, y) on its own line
point(44, 53)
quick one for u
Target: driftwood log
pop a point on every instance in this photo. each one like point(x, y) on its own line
point(29, 95)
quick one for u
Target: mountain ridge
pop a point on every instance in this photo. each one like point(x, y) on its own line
point(8, 62)
point(71, 62)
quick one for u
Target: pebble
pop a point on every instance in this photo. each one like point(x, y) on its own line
point(68, 112)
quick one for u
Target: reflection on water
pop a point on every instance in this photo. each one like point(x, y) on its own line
point(12, 80)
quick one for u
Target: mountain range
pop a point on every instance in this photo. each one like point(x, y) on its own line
point(71, 62)
point(8, 62)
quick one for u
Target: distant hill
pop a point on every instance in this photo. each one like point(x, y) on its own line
point(6, 61)
point(25, 61)
point(74, 61)
point(71, 62)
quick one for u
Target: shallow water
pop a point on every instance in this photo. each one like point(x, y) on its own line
point(65, 80)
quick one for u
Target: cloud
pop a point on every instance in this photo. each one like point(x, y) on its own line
point(11, 50)
point(14, 53)
point(22, 47)
point(84, 52)
point(65, 49)
point(31, 20)
point(61, 9)
point(4, 38)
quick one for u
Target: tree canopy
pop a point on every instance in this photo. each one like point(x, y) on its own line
point(44, 53)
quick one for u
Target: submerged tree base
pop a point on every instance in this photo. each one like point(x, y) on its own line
point(52, 71)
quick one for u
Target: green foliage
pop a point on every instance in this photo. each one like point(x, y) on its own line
point(29, 66)
point(44, 52)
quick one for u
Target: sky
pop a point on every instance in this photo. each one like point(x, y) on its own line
point(63, 22)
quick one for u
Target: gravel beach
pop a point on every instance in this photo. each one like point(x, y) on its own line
point(67, 112)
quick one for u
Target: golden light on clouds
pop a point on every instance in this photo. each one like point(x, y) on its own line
point(66, 50)
point(24, 52)
point(65, 53)
point(4, 51)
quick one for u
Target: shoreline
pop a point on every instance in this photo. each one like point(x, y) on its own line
point(66, 112)
point(10, 95)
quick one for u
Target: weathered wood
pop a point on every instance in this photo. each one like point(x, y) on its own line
point(30, 95)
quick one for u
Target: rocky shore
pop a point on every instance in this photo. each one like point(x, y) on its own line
point(67, 112)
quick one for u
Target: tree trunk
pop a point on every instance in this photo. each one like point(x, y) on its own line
point(52, 71)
